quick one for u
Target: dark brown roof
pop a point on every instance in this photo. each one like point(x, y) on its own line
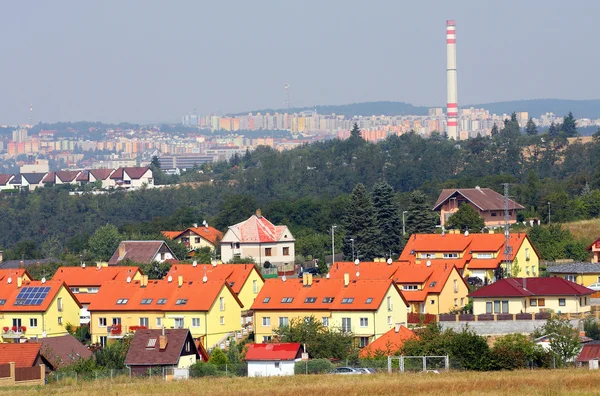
point(483, 198)
point(136, 173)
point(589, 352)
point(63, 351)
point(101, 174)
point(140, 355)
point(84, 175)
point(67, 176)
point(4, 179)
point(49, 178)
point(138, 251)
point(117, 174)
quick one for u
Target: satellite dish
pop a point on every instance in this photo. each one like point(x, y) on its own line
point(83, 265)
point(283, 278)
point(129, 279)
point(467, 233)
point(170, 279)
point(429, 263)
point(195, 263)
point(214, 263)
point(357, 274)
point(204, 278)
point(389, 261)
point(9, 280)
point(357, 261)
point(43, 280)
point(204, 223)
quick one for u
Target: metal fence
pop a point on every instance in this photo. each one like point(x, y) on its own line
point(419, 363)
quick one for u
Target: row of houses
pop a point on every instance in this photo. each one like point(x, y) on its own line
point(128, 178)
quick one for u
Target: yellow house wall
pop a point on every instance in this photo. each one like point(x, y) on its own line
point(247, 294)
point(231, 315)
point(447, 295)
point(532, 263)
point(261, 331)
point(193, 244)
point(186, 361)
point(128, 319)
point(515, 305)
point(585, 279)
point(518, 305)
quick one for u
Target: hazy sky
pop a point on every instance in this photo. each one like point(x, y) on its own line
point(152, 61)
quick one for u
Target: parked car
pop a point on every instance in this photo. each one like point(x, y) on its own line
point(595, 286)
point(313, 271)
point(346, 370)
point(367, 370)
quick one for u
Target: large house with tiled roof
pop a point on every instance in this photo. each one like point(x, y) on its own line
point(432, 288)
point(389, 344)
point(31, 308)
point(364, 307)
point(487, 202)
point(209, 308)
point(61, 177)
point(531, 295)
point(475, 255)
point(143, 252)
point(95, 176)
point(258, 238)
point(132, 177)
point(85, 282)
point(196, 237)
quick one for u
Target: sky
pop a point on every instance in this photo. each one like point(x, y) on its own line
point(153, 61)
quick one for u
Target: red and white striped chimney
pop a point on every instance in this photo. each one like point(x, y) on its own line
point(452, 88)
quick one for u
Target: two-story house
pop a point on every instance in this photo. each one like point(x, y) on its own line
point(365, 308)
point(196, 237)
point(31, 308)
point(85, 282)
point(132, 177)
point(95, 176)
point(594, 248)
point(258, 238)
point(487, 202)
point(209, 308)
point(475, 255)
point(143, 252)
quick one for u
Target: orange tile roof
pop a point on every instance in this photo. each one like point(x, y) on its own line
point(94, 276)
point(171, 234)
point(10, 292)
point(13, 273)
point(200, 295)
point(208, 233)
point(273, 292)
point(22, 354)
point(388, 344)
point(235, 274)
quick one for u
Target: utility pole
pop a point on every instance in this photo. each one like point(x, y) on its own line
point(507, 247)
point(333, 227)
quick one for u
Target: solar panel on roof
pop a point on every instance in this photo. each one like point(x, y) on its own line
point(32, 295)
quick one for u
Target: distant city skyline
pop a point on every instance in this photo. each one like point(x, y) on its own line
point(150, 61)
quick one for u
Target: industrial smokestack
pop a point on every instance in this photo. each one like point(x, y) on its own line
point(452, 88)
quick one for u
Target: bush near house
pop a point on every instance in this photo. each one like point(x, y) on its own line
point(315, 366)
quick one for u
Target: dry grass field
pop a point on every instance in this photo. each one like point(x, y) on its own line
point(539, 382)
point(584, 230)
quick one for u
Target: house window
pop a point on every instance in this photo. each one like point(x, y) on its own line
point(59, 304)
point(432, 302)
point(310, 300)
point(572, 278)
point(102, 340)
point(277, 365)
point(146, 301)
point(389, 320)
point(484, 255)
point(222, 303)
point(364, 341)
point(410, 287)
point(505, 306)
point(195, 322)
point(450, 255)
point(162, 257)
point(462, 301)
point(188, 346)
point(369, 300)
point(266, 339)
point(488, 307)
point(346, 325)
point(327, 300)
point(60, 320)
point(197, 239)
point(16, 323)
point(255, 286)
point(33, 322)
point(348, 300)
point(268, 252)
point(286, 251)
point(283, 322)
point(75, 290)
point(562, 302)
point(497, 306)
point(266, 300)
point(364, 322)
point(455, 286)
point(101, 322)
point(494, 214)
point(456, 302)
point(159, 322)
point(266, 321)
point(144, 322)
point(185, 239)
point(93, 289)
point(532, 302)
point(541, 302)
point(527, 254)
point(325, 322)
point(222, 320)
point(122, 301)
point(389, 303)
point(287, 300)
point(181, 301)
point(527, 270)
point(427, 255)
point(178, 323)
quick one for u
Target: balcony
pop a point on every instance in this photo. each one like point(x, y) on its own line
point(13, 332)
point(116, 330)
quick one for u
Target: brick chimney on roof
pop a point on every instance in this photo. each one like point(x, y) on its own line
point(258, 213)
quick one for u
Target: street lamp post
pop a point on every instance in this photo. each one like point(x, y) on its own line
point(548, 212)
point(333, 227)
point(352, 241)
point(404, 223)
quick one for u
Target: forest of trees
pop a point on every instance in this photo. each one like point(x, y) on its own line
point(309, 189)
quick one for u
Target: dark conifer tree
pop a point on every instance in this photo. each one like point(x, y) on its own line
point(360, 225)
point(387, 217)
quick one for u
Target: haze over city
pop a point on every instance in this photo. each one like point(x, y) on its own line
point(144, 61)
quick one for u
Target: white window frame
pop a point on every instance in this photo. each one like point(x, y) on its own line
point(222, 320)
point(284, 321)
point(33, 322)
point(102, 322)
point(222, 303)
point(159, 322)
point(450, 255)
point(266, 321)
point(325, 321)
point(195, 322)
point(145, 322)
point(255, 286)
point(364, 322)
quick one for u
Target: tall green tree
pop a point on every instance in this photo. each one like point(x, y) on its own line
point(360, 224)
point(494, 131)
point(355, 132)
point(564, 339)
point(531, 128)
point(569, 126)
point(387, 217)
point(466, 218)
point(104, 242)
point(420, 219)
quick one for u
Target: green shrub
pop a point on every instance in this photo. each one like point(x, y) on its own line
point(201, 369)
point(315, 366)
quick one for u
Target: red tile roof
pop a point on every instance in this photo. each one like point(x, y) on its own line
point(101, 174)
point(140, 355)
point(208, 233)
point(589, 352)
point(4, 179)
point(200, 295)
point(93, 275)
point(282, 351)
point(13, 273)
point(388, 344)
point(138, 251)
point(483, 198)
point(259, 229)
point(522, 287)
point(235, 274)
point(22, 354)
point(367, 295)
point(10, 291)
point(67, 176)
point(136, 172)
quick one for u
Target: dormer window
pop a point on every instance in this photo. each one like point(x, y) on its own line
point(122, 301)
point(450, 255)
point(266, 300)
point(146, 301)
point(432, 284)
point(327, 300)
point(310, 300)
point(485, 255)
point(161, 301)
point(181, 301)
point(151, 343)
point(347, 300)
point(369, 300)
point(287, 300)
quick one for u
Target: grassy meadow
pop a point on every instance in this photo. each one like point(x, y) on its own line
point(524, 382)
point(585, 231)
